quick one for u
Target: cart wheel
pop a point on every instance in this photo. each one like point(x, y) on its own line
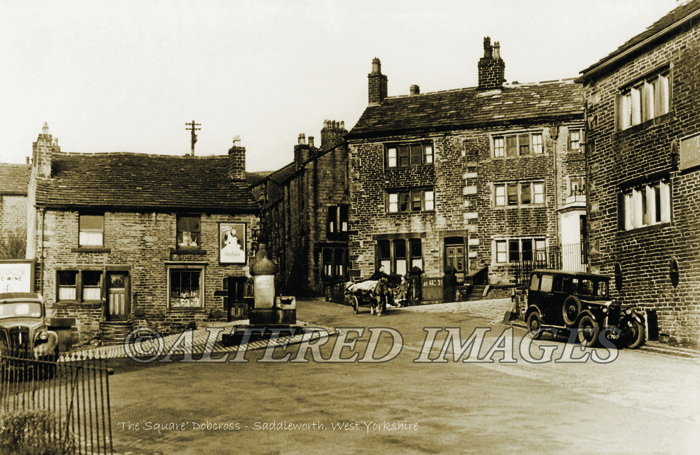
point(355, 304)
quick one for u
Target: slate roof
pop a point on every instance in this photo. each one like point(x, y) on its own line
point(666, 21)
point(14, 179)
point(135, 182)
point(469, 107)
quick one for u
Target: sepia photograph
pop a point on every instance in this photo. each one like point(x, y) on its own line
point(322, 226)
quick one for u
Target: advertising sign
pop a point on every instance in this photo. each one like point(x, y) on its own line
point(232, 243)
point(16, 276)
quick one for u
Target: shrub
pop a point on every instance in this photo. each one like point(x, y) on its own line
point(33, 432)
point(14, 245)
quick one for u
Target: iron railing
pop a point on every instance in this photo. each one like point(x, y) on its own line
point(71, 397)
point(572, 257)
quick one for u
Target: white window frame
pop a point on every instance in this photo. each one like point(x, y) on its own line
point(640, 205)
point(644, 100)
point(500, 193)
point(501, 251)
point(500, 147)
point(427, 198)
point(427, 155)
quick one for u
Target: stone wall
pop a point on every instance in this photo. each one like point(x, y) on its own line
point(641, 153)
point(141, 244)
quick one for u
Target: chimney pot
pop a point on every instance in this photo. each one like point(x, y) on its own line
point(496, 51)
point(45, 129)
point(415, 90)
point(302, 139)
point(311, 141)
point(487, 47)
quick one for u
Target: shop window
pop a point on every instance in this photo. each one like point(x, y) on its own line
point(416, 253)
point(79, 285)
point(647, 205)
point(406, 155)
point(91, 230)
point(643, 100)
point(185, 287)
point(188, 231)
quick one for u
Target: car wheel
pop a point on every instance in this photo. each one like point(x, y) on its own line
point(588, 331)
point(534, 325)
point(355, 304)
point(571, 309)
point(636, 334)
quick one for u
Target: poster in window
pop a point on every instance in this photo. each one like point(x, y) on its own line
point(232, 239)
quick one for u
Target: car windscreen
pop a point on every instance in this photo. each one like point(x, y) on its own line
point(20, 310)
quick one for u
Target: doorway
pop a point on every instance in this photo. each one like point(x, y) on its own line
point(118, 301)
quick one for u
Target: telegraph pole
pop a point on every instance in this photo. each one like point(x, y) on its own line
point(193, 127)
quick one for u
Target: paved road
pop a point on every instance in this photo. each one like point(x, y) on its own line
point(638, 403)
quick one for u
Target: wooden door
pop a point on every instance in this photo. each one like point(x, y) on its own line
point(118, 303)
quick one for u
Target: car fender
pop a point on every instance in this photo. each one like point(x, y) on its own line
point(590, 313)
point(47, 348)
point(532, 309)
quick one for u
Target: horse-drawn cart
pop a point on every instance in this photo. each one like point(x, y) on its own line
point(370, 293)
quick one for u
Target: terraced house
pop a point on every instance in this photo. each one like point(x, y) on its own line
point(644, 152)
point(124, 239)
point(305, 207)
point(488, 180)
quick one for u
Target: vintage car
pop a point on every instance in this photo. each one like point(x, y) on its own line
point(23, 329)
point(576, 300)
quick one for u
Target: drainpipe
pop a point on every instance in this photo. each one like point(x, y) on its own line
point(554, 132)
point(41, 246)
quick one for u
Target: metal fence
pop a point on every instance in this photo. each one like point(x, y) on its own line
point(68, 402)
point(572, 257)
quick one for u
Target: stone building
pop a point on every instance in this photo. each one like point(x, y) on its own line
point(14, 179)
point(485, 179)
point(305, 209)
point(124, 239)
point(644, 156)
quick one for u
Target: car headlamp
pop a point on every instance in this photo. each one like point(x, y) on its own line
point(43, 336)
point(605, 310)
point(628, 311)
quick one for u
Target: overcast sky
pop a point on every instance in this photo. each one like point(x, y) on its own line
point(127, 75)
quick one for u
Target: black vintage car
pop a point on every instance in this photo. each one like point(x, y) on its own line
point(23, 329)
point(577, 300)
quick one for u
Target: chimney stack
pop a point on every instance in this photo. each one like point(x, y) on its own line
point(332, 134)
point(236, 161)
point(42, 151)
point(491, 66)
point(377, 84)
point(302, 151)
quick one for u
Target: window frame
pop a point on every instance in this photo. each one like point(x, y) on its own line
point(181, 268)
point(188, 218)
point(338, 221)
point(396, 199)
point(645, 205)
point(79, 286)
point(332, 267)
point(502, 194)
point(83, 218)
point(406, 154)
point(644, 99)
point(515, 144)
point(386, 255)
point(503, 251)
point(575, 145)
